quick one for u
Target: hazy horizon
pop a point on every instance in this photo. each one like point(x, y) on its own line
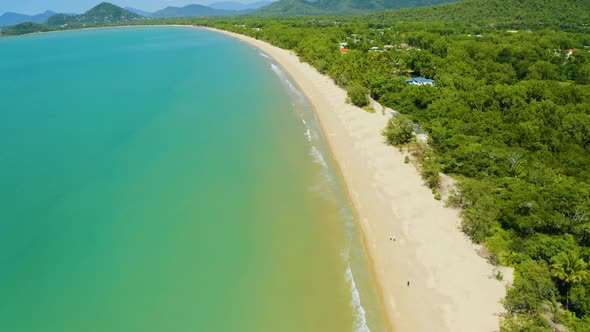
point(33, 7)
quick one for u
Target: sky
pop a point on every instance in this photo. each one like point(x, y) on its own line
point(31, 7)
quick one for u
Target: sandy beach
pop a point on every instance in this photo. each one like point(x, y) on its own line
point(451, 287)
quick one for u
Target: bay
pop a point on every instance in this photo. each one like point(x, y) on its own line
point(168, 179)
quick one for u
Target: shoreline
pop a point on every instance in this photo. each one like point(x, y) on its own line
point(451, 287)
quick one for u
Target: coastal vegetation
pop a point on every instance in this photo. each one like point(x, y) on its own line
point(508, 117)
point(26, 28)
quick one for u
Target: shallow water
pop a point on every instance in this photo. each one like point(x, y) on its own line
point(168, 179)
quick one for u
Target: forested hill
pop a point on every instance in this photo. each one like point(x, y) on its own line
point(553, 12)
point(328, 7)
point(103, 13)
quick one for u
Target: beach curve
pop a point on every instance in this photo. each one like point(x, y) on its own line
point(431, 277)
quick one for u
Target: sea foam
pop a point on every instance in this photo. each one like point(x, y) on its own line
point(308, 135)
point(281, 74)
point(358, 311)
point(317, 157)
point(360, 320)
point(264, 55)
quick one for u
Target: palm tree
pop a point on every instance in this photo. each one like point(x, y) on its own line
point(570, 268)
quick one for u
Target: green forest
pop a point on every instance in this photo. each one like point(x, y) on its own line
point(508, 117)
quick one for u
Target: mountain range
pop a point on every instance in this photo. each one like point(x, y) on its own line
point(9, 18)
point(506, 11)
point(192, 11)
point(238, 6)
point(108, 13)
point(214, 9)
point(554, 12)
point(139, 11)
point(328, 7)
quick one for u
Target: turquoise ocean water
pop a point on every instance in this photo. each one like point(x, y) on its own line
point(168, 179)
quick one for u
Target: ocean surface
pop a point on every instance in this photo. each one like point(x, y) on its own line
point(168, 179)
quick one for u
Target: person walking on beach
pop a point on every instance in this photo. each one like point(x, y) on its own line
point(408, 284)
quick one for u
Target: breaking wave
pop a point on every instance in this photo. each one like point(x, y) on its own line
point(308, 135)
point(360, 319)
point(281, 74)
point(318, 158)
point(359, 313)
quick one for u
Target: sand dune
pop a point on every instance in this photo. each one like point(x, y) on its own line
point(451, 287)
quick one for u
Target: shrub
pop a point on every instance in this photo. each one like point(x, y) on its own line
point(358, 95)
point(398, 130)
point(431, 172)
point(532, 286)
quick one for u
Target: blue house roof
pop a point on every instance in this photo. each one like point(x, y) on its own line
point(421, 80)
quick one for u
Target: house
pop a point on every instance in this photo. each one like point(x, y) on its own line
point(344, 50)
point(343, 44)
point(391, 112)
point(420, 81)
point(422, 138)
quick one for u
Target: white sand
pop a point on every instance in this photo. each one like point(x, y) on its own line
point(451, 287)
